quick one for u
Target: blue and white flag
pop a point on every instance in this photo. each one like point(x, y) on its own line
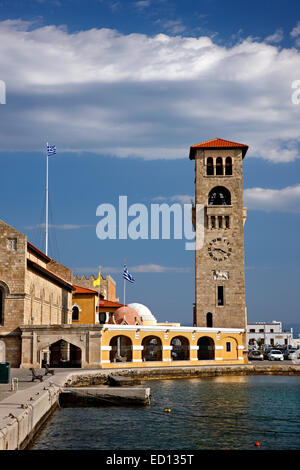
point(51, 149)
point(126, 275)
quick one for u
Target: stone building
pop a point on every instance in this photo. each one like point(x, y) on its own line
point(219, 263)
point(107, 285)
point(269, 333)
point(34, 290)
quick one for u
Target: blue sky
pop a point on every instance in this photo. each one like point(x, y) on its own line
point(123, 88)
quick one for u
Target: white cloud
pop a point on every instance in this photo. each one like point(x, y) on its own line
point(276, 37)
point(142, 268)
point(174, 26)
point(143, 4)
point(296, 30)
point(269, 200)
point(134, 95)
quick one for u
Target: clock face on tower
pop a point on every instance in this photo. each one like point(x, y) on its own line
point(219, 249)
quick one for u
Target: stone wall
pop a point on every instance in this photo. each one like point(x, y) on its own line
point(229, 273)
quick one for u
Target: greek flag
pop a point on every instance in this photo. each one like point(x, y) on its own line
point(51, 150)
point(126, 275)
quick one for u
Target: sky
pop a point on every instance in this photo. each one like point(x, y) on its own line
point(123, 89)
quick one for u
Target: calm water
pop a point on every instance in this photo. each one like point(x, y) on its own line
point(209, 413)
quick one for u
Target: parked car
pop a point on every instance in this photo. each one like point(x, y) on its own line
point(295, 354)
point(287, 352)
point(266, 353)
point(255, 355)
point(275, 355)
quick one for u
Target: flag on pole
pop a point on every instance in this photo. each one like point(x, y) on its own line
point(97, 281)
point(51, 150)
point(126, 275)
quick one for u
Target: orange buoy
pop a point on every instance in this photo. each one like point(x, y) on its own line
point(257, 444)
point(168, 410)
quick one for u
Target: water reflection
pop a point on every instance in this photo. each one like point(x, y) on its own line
point(206, 413)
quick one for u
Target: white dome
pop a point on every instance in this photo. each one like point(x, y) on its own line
point(143, 312)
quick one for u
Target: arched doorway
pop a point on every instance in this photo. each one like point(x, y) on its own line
point(180, 348)
point(206, 349)
point(152, 349)
point(121, 349)
point(64, 354)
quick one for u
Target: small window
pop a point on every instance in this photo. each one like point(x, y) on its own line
point(1, 307)
point(209, 167)
point(209, 320)
point(75, 313)
point(220, 295)
point(252, 330)
point(228, 346)
point(219, 166)
point(220, 219)
point(227, 222)
point(12, 244)
point(102, 318)
point(213, 221)
point(228, 166)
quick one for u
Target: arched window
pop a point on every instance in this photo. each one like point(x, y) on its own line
point(209, 166)
point(209, 320)
point(228, 166)
point(103, 318)
point(219, 166)
point(75, 313)
point(219, 196)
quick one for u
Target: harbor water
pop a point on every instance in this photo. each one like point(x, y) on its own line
point(221, 413)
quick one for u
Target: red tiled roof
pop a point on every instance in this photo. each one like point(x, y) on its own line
point(84, 290)
point(109, 303)
point(217, 144)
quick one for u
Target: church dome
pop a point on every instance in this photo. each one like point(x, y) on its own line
point(144, 313)
point(126, 315)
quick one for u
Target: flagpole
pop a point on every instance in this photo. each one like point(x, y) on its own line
point(124, 280)
point(99, 294)
point(124, 298)
point(47, 197)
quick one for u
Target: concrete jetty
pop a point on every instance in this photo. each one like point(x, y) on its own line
point(101, 396)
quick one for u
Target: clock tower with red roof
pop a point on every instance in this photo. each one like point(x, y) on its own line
point(219, 263)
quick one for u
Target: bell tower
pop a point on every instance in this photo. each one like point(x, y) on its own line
point(219, 263)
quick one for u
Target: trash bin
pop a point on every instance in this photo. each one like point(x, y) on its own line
point(4, 372)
